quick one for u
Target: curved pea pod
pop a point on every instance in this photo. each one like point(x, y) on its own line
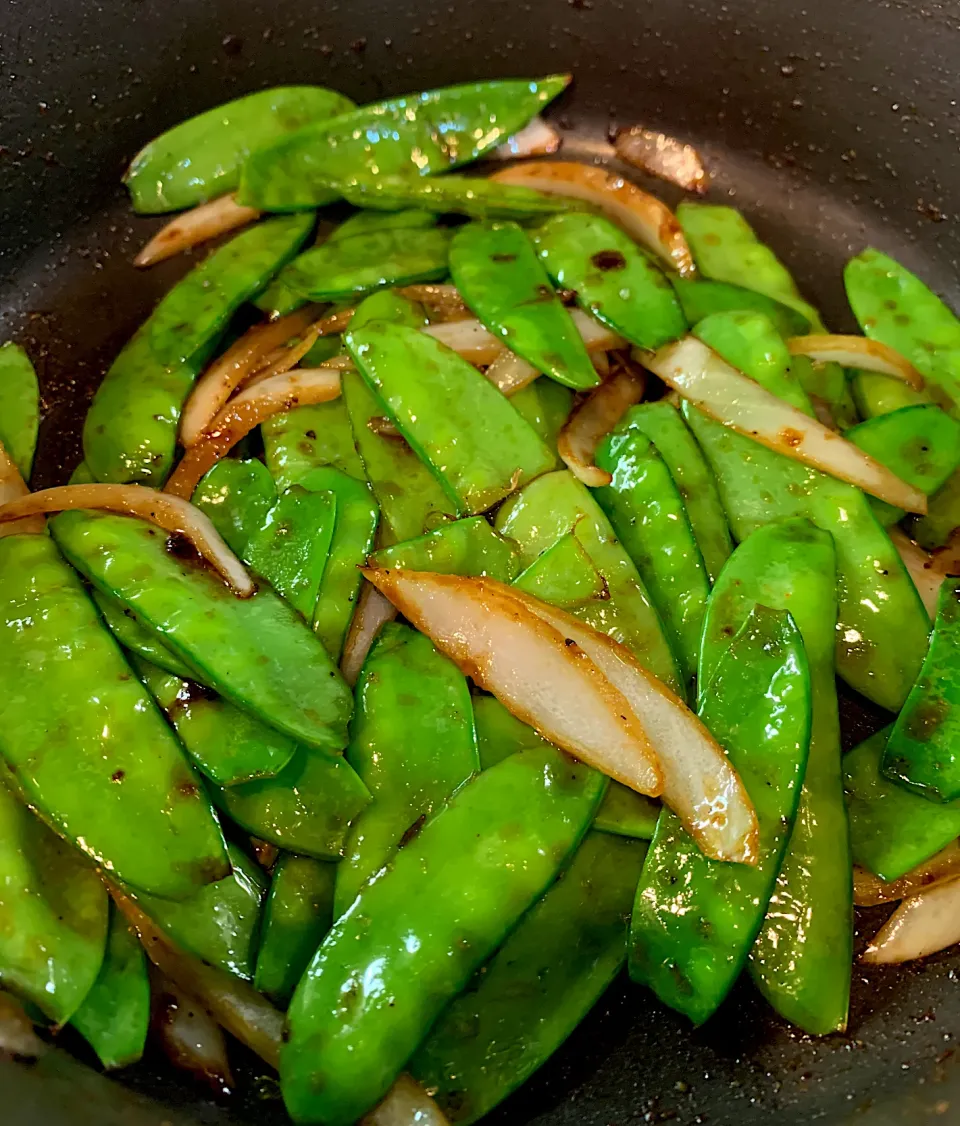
point(700, 297)
point(135, 638)
point(876, 394)
point(649, 518)
point(55, 914)
point(546, 406)
point(695, 919)
point(84, 744)
point(297, 915)
point(115, 1014)
point(803, 971)
point(388, 305)
point(557, 504)
point(477, 445)
point(256, 652)
point(310, 438)
point(405, 686)
point(464, 547)
point(537, 988)
point(130, 430)
point(498, 273)
point(19, 406)
point(419, 134)
point(201, 158)
point(412, 939)
point(564, 575)
point(236, 494)
point(613, 279)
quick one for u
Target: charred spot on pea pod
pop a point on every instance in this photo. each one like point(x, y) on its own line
point(190, 692)
point(412, 831)
point(118, 776)
point(609, 260)
point(926, 718)
point(179, 546)
point(503, 257)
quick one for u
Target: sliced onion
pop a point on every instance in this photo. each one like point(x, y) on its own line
point(475, 344)
point(336, 322)
point(12, 489)
point(373, 612)
point(536, 139)
point(601, 363)
point(544, 678)
point(224, 375)
point(594, 418)
point(172, 513)
point(405, 1104)
point(921, 925)
point(856, 352)
point(922, 568)
point(199, 224)
point(277, 395)
point(723, 393)
point(869, 890)
point(662, 156)
point(17, 1036)
point(643, 216)
point(510, 373)
point(189, 1036)
point(443, 301)
point(282, 359)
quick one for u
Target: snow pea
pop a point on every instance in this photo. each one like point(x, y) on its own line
point(803, 970)
point(537, 988)
point(694, 919)
point(546, 406)
point(419, 134)
point(405, 686)
point(500, 277)
point(464, 547)
point(828, 383)
point(115, 1014)
point(557, 504)
point(700, 298)
point(891, 829)
point(879, 394)
point(236, 494)
point(388, 305)
point(943, 516)
point(664, 426)
point(84, 744)
point(53, 911)
point(135, 638)
point(201, 158)
point(256, 652)
point(130, 430)
point(19, 406)
point(309, 438)
point(564, 575)
point(648, 516)
point(412, 939)
point(613, 279)
point(477, 445)
point(297, 916)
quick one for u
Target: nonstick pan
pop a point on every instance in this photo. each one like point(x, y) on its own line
point(832, 125)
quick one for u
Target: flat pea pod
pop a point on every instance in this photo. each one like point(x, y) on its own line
point(405, 686)
point(419, 134)
point(55, 911)
point(130, 431)
point(115, 1014)
point(546, 406)
point(695, 919)
point(201, 158)
point(613, 279)
point(943, 516)
point(477, 445)
point(412, 939)
point(256, 652)
point(135, 638)
point(236, 494)
point(700, 297)
point(537, 988)
point(388, 305)
point(557, 504)
point(499, 276)
point(19, 406)
point(310, 438)
point(564, 575)
point(891, 829)
point(297, 915)
point(81, 739)
point(804, 971)
point(876, 394)
point(463, 547)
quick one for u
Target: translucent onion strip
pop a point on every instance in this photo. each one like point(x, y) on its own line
point(199, 224)
point(922, 567)
point(405, 1104)
point(189, 1036)
point(373, 612)
point(869, 890)
point(510, 373)
point(13, 489)
point(443, 301)
point(536, 139)
point(662, 156)
point(921, 925)
point(857, 352)
point(593, 419)
point(283, 359)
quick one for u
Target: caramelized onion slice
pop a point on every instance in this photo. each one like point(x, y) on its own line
point(373, 611)
point(921, 925)
point(869, 890)
point(662, 156)
point(443, 301)
point(723, 393)
point(510, 373)
point(923, 569)
point(199, 224)
point(282, 359)
point(541, 675)
point(172, 513)
point(405, 1104)
point(643, 216)
point(856, 352)
point(535, 139)
point(594, 418)
point(189, 1036)
point(12, 489)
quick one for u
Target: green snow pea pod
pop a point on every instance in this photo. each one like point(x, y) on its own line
point(879, 394)
point(802, 970)
point(388, 305)
point(943, 516)
point(19, 406)
point(464, 547)
point(546, 406)
point(613, 279)
point(564, 575)
point(54, 912)
point(135, 638)
point(236, 494)
point(477, 445)
point(891, 829)
point(84, 744)
point(130, 430)
point(500, 277)
point(537, 988)
point(557, 504)
point(201, 158)
point(297, 916)
point(828, 383)
point(309, 438)
point(256, 652)
point(406, 687)
point(694, 919)
point(701, 298)
point(115, 1014)
point(419, 134)
point(648, 516)
point(412, 939)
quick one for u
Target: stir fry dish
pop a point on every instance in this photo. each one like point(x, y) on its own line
point(448, 610)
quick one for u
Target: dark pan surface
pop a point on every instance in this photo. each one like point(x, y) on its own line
point(832, 125)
